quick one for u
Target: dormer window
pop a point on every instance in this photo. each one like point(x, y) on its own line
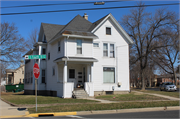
point(108, 31)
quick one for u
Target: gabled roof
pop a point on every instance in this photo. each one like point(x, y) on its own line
point(78, 26)
point(78, 23)
point(50, 30)
point(97, 23)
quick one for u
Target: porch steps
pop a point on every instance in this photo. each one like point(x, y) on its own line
point(79, 93)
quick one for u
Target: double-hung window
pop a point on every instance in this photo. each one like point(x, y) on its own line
point(105, 49)
point(108, 75)
point(44, 52)
point(49, 56)
point(31, 76)
point(53, 71)
point(79, 46)
point(59, 46)
point(111, 50)
point(108, 31)
point(43, 76)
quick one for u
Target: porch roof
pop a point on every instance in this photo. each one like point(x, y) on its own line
point(80, 59)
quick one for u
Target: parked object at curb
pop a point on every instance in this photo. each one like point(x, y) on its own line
point(15, 88)
point(168, 86)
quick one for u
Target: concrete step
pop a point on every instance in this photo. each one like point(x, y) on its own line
point(80, 93)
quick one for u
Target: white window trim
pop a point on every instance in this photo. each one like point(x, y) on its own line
point(76, 47)
point(109, 49)
point(107, 26)
point(114, 74)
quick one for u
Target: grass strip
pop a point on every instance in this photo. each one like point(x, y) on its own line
point(30, 99)
point(110, 106)
point(130, 97)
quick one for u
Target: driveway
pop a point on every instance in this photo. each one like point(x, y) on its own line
point(157, 89)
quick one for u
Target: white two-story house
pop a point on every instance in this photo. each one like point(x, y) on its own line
point(95, 55)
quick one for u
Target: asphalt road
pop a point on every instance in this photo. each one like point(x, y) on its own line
point(138, 115)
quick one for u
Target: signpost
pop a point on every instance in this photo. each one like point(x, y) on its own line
point(36, 72)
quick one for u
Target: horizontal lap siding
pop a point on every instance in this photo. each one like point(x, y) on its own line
point(28, 69)
point(86, 48)
point(123, 58)
point(51, 80)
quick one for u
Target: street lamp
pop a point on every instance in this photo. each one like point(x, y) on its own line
point(99, 3)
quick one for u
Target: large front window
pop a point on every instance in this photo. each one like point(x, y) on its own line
point(108, 75)
point(79, 46)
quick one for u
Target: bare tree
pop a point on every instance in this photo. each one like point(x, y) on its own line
point(12, 44)
point(32, 39)
point(166, 57)
point(145, 29)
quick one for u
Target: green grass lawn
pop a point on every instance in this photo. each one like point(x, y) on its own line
point(173, 94)
point(111, 106)
point(30, 99)
point(129, 97)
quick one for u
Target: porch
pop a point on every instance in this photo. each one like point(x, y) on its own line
point(73, 72)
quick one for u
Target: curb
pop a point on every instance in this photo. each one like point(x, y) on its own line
point(12, 104)
point(96, 112)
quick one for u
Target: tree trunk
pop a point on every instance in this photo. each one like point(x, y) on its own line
point(142, 79)
point(150, 81)
point(175, 79)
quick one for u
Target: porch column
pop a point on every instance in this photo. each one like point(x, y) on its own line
point(88, 73)
point(65, 72)
point(92, 72)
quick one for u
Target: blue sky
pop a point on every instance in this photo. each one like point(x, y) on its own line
point(26, 23)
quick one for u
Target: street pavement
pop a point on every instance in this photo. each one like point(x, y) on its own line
point(134, 115)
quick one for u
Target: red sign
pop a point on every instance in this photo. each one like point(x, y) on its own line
point(36, 71)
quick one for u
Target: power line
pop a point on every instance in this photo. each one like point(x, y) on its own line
point(58, 4)
point(89, 9)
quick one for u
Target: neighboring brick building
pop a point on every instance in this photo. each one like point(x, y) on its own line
point(166, 78)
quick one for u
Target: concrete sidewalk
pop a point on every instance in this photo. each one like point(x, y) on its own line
point(158, 95)
point(8, 110)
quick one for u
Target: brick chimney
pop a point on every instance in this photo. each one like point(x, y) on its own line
point(85, 16)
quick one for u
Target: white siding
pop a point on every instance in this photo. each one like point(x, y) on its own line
point(121, 59)
point(52, 83)
point(86, 48)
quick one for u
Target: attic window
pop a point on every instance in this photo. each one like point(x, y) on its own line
point(44, 38)
point(108, 31)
